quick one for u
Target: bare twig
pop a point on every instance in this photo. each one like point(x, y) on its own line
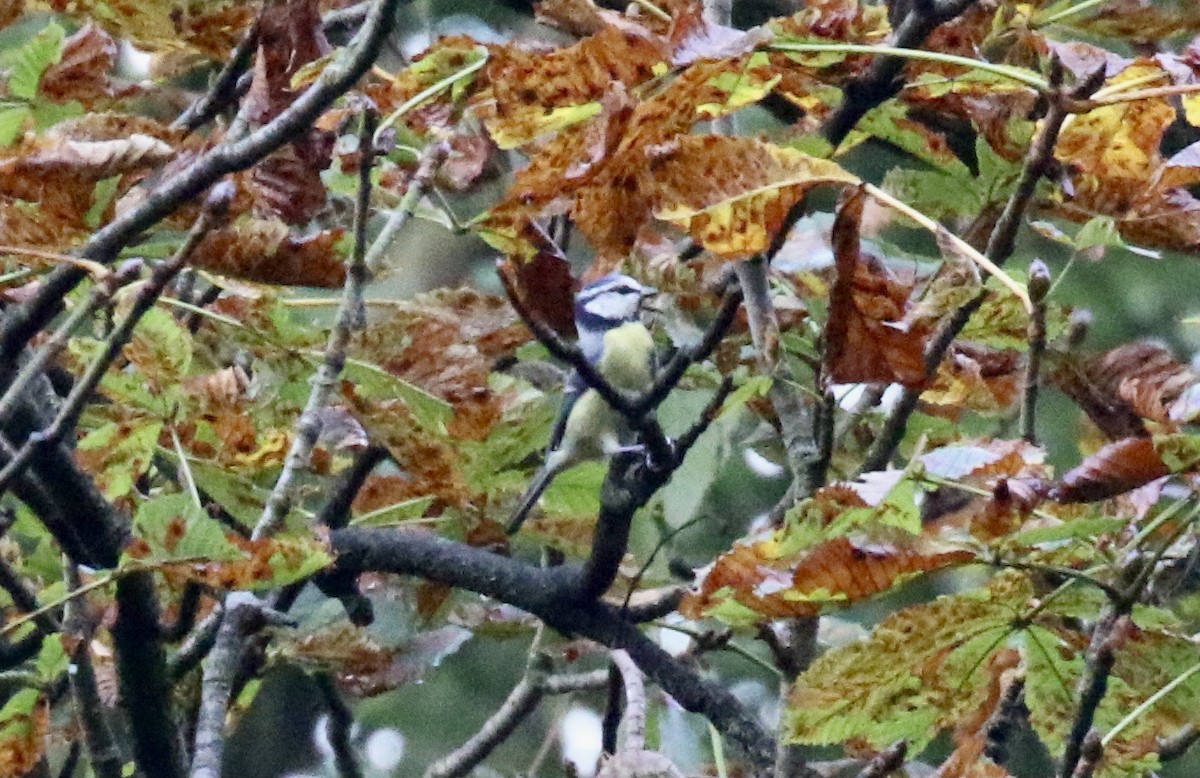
point(220, 671)
point(1010, 713)
point(521, 701)
point(1177, 744)
point(632, 732)
point(104, 754)
point(1039, 286)
point(197, 645)
point(431, 159)
point(550, 594)
point(349, 318)
point(886, 761)
point(341, 722)
point(1108, 633)
point(224, 89)
point(36, 365)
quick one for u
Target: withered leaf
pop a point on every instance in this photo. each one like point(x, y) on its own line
point(267, 252)
point(865, 340)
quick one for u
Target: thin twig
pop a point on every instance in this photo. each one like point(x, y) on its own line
point(1110, 630)
point(224, 89)
point(1177, 744)
point(886, 761)
point(349, 318)
point(36, 365)
point(431, 159)
point(216, 686)
point(104, 753)
point(521, 701)
point(631, 734)
point(1039, 286)
point(341, 723)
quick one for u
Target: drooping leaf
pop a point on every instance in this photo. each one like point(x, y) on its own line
point(922, 669)
point(865, 338)
point(266, 252)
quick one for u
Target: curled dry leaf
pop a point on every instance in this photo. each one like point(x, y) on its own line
point(865, 339)
point(770, 585)
point(266, 252)
point(1129, 384)
point(1115, 469)
point(83, 72)
point(87, 160)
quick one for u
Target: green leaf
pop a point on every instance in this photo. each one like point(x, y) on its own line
point(102, 194)
point(392, 515)
point(240, 497)
point(429, 411)
point(12, 121)
point(1078, 529)
point(21, 703)
point(176, 529)
point(921, 669)
point(119, 454)
point(52, 660)
point(26, 63)
point(161, 348)
point(576, 492)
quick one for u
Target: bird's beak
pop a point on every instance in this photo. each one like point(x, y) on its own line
point(648, 293)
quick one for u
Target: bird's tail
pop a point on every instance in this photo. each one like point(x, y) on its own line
point(540, 481)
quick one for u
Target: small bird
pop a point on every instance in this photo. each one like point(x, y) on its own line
point(614, 340)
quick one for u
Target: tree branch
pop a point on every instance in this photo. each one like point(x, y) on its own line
point(549, 594)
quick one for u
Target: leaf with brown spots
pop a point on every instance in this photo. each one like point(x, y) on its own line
point(266, 252)
point(756, 581)
point(864, 338)
point(532, 93)
point(1115, 469)
point(24, 723)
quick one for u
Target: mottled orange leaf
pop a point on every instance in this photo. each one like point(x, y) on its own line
point(976, 378)
point(23, 739)
point(733, 194)
point(536, 92)
point(267, 252)
point(839, 571)
point(864, 338)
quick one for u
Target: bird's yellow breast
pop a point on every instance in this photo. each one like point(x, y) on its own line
point(626, 362)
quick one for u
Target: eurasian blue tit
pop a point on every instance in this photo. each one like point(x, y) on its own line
point(614, 340)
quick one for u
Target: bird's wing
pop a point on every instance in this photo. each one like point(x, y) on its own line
point(572, 391)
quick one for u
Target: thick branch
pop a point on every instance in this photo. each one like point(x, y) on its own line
point(549, 594)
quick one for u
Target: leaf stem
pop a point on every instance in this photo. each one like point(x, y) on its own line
point(1020, 75)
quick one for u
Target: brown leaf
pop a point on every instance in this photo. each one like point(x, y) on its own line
point(864, 338)
point(547, 289)
point(83, 72)
point(290, 36)
point(267, 253)
point(288, 187)
point(23, 740)
point(1114, 469)
point(528, 88)
point(83, 160)
point(10, 11)
point(976, 378)
point(841, 570)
